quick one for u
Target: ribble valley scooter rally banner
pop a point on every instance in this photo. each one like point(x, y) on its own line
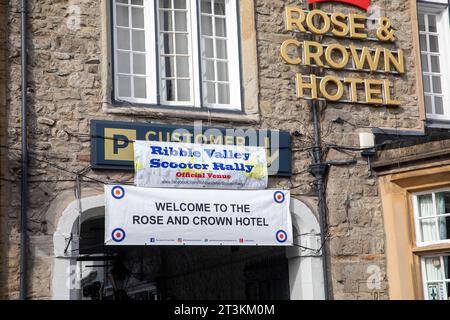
point(189, 165)
point(166, 217)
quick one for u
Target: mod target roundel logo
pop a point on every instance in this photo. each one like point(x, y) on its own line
point(118, 235)
point(118, 192)
point(281, 236)
point(279, 197)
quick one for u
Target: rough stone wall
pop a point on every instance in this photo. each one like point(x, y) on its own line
point(4, 185)
point(356, 232)
point(416, 151)
point(65, 93)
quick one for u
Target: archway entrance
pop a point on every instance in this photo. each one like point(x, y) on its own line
point(86, 269)
point(180, 273)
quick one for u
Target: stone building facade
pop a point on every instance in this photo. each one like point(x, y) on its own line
point(70, 84)
point(3, 132)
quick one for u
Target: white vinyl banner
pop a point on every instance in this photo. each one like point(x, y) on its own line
point(188, 165)
point(167, 217)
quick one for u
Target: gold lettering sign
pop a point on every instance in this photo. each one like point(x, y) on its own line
point(377, 92)
point(119, 142)
point(339, 57)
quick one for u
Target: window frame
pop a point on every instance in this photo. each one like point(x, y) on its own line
point(236, 106)
point(192, 25)
point(417, 231)
point(441, 10)
point(233, 49)
point(428, 249)
point(150, 63)
point(426, 282)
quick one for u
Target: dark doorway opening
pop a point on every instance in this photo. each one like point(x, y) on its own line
point(180, 273)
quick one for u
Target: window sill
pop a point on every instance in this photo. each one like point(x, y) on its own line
point(157, 112)
point(432, 248)
point(441, 123)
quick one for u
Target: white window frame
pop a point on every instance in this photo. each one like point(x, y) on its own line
point(154, 93)
point(150, 63)
point(194, 73)
point(426, 282)
point(232, 26)
point(441, 10)
point(417, 219)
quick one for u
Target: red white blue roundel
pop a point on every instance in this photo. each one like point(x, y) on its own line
point(118, 192)
point(278, 197)
point(118, 235)
point(281, 236)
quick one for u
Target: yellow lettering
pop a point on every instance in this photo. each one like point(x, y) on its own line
point(291, 21)
point(309, 55)
point(353, 87)
point(284, 51)
point(371, 91)
point(340, 25)
point(301, 86)
point(324, 18)
point(387, 94)
point(240, 141)
point(389, 60)
point(324, 90)
point(329, 56)
point(149, 134)
point(366, 56)
point(216, 140)
point(229, 140)
point(201, 139)
point(356, 26)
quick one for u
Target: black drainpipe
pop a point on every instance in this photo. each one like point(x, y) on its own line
point(24, 181)
point(319, 170)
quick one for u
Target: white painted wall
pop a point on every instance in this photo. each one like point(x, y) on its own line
point(305, 266)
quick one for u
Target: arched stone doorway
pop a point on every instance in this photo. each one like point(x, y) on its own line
point(304, 266)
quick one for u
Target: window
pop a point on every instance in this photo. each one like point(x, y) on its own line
point(177, 53)
point(432, 224)
point(435, 271)
point(434, 35)
point(432, 215)
point(413, 221)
